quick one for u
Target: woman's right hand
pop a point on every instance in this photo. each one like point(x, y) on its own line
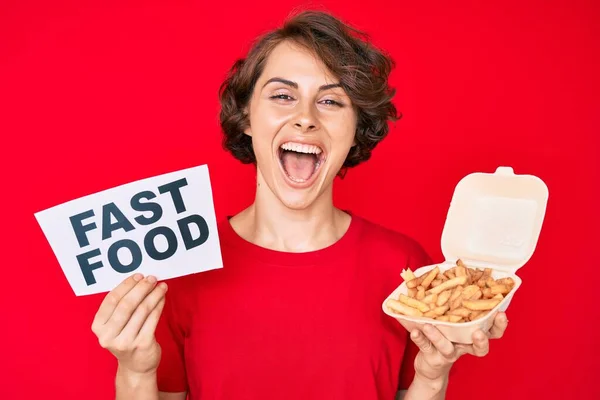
point(126, 321)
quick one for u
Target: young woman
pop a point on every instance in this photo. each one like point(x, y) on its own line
point(296, 311)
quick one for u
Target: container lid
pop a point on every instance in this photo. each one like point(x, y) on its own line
point(495, 219)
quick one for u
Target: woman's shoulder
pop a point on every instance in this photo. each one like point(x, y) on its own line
point(382, 239)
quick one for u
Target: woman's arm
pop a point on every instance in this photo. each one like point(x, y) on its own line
point(132, 386)
point(423, 389)
point(125, 324)
point(437, 355)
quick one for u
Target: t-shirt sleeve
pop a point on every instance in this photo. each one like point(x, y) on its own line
point(419, 258)
point(171, 374)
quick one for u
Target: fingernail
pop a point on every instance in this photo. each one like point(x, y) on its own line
point(415, 334)
point(163, 286)
point(151, 279)
point(137, 277)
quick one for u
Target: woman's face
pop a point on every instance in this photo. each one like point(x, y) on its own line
point(302, 125)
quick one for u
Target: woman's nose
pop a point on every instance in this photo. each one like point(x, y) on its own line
point(306, 121)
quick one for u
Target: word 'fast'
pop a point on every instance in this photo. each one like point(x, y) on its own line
point(110, 211)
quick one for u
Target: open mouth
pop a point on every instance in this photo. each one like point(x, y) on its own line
point(301, 162)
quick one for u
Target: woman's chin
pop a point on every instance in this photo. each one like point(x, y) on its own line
point(295, 199)
point(298, 199)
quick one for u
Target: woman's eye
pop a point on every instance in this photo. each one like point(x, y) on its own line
point(330, 102)
point(281, 97)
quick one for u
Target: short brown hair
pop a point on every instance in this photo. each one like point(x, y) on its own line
point(362, 69)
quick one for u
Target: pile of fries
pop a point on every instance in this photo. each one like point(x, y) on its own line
point(460, 294)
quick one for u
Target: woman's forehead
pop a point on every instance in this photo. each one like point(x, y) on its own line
point(296, 63)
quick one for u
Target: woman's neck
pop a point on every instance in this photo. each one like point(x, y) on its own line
point(269, 223)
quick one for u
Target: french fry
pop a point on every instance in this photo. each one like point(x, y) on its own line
point(475, 315)
point(436, 282)
point(443, 297)
point(500, 289)
point(431, 314)
point(478, 294)
point(413, 283)
point(481, 305)
point(506, 281)
point(483, 314)
point(487, 293)
point(477, 275)
point(430, 277)
point(441, 277)
point(430, 298)
point(401, 308)
point(469, 291)
point(420, 292)
point(489, 282)
point(487, 272)
point(412, 292)
point(469, 276)
point(456, 303)
point(463, 312)
point(460, 280)
point(419, 305)
point(441, 310)
point(456, 293)
point(408, 275)
point(461, 271)
point(498, 296)
point(449, 274)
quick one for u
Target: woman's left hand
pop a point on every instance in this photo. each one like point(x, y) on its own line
point(437, 354)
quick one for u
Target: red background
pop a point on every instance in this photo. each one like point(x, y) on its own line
point(97, 94)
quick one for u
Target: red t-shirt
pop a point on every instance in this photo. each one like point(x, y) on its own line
point(275, 325)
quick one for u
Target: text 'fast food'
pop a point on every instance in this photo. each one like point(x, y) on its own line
point(460, 294)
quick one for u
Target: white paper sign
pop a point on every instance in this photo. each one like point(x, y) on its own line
point(163, 226)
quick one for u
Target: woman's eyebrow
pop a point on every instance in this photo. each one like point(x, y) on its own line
point(295, 85)
point(330, 86)
point(281, 80)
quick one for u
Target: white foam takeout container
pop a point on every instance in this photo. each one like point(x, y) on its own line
point(494, 221)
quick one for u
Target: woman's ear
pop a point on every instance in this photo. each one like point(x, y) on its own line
point(248, 130)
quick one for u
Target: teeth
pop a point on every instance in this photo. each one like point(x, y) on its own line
point(301, 148)
point(299, 180)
